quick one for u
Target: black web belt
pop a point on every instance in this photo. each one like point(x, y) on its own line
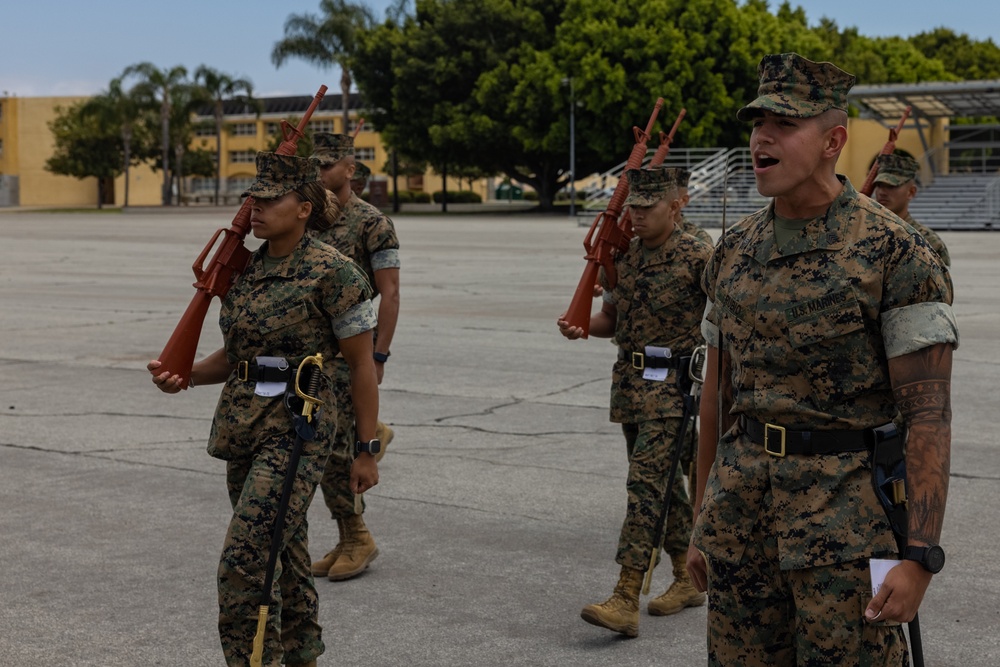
point(780, 441)
point(250, 371)
point(640, 361)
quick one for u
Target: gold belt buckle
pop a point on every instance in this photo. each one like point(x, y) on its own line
point(767, 440)
point(243, 371)
point(641, 364)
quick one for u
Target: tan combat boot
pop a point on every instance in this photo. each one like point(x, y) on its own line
point(621, 611)
point(358, 552)
point(681, 593)
point(321, 568)
point(384, 435)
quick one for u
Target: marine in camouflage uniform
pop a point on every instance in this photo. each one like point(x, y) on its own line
point(895, 187)
point(368, 237)
point(656, 302)
point(816, 329)
point(311, 300)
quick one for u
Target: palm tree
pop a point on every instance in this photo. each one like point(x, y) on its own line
point(156, 85)
point(221, 87)
point(326, 41)
point(124, 109)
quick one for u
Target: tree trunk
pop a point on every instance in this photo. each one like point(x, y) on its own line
point(345, 97)
point(165, 144)
point(444, 188)
point(218, 148)
point(395, 182)
point(127, 145)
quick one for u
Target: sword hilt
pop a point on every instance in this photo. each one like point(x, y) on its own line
point(311, 395)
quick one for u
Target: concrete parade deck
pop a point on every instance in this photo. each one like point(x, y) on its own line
point(500, 499)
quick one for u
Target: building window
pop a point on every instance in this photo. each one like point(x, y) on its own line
point(367, 127)
point(202, 185)
point(242, 157)
point(364, 154)
point(243, 129)
point(321, 126)
point(272, 129)
point(204, 130)
point(238, 184)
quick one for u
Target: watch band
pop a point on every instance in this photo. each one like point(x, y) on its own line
point(381, 358)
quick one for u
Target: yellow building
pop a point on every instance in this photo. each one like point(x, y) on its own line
point(26, 143)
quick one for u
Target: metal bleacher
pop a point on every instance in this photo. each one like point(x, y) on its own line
point(959, 201)
point(722, 182)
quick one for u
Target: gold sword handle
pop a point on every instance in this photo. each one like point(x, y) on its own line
point(311, 394)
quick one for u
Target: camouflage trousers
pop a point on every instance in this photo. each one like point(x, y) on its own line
point(650, 446)
point(761, 615)
point(335, 484)
point(293, 633)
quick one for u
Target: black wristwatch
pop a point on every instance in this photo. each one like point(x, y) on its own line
point(930, 557)
point(372, 447)
point(381, 358)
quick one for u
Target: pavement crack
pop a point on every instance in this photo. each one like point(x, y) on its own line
point(482, 413)
point(90, 455)
point(572, 387)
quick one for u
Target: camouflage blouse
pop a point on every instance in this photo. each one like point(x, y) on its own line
point(809, 329)
point(366, 235)
point(659, 302)
point(303, 306)
point(932, 238)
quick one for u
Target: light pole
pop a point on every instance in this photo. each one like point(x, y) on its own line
point(572, 148)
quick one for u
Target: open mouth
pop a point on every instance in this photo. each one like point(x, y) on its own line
point(765, 161)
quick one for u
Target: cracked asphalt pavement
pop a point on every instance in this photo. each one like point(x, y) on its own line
point(500, 498)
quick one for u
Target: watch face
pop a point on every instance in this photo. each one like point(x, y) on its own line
point(934, 559)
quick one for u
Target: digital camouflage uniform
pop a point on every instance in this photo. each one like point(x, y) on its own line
point(367, 236)
point(658, 302)
point(696, 231)
point(301, 307)
point(809, 329)
point(895, 170)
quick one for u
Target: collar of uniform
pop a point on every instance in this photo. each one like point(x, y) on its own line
point(287, 268)
point(659, 255)
point(824, 233)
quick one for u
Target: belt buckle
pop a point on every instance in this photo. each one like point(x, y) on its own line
point(641, 365)
point(767, 440)
point(243, 371)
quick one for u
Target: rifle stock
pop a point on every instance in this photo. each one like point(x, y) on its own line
point(229, 260)
point(868, 187)
point(607, 237)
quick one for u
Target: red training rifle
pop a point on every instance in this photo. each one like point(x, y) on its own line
point(868, 187)
point(608, 236)
point(229, 260)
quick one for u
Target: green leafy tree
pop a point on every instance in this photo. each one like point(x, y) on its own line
point(961, 55)
point(155, 85)
point(304, 148)
point(221, 87)
point(326, 40)
point(86, 146)
point(121, 108)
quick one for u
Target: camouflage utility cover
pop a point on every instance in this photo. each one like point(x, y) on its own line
point(648, 186)
point(366, 235)
point(659, 302)
point(791, 85)
point(331, 148)
point(894, 170)
point(361, 172)
point(278, 174)
point(303, 306)
point(809, 330)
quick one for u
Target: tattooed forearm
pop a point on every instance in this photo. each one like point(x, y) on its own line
point(927, 513)
point(921, 383)
point(928, 400)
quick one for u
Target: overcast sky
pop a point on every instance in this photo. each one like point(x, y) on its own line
point(59, 47)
